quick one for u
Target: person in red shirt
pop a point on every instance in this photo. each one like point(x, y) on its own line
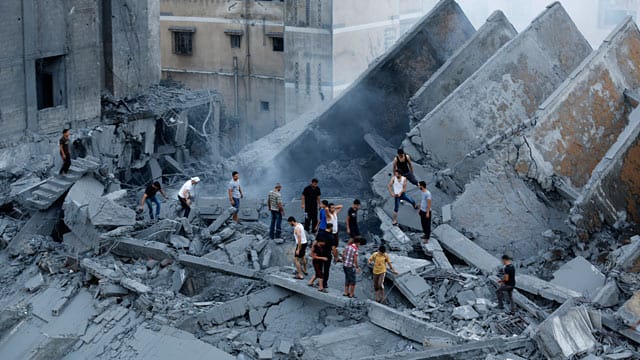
point(350, 267)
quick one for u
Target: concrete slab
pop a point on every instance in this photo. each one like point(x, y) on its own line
point(580, 275)
point(333, 297)
point(433, 249)
point(407, 326)
point(40, 223)
point(413, 287)
point(159, 231)
point(213, 207)
point(106, 212)
point(385, 151)
point(567, 332)
point(465, 249)
point(212, 265)
point(134, 248)
point(170, 343)
point(629, 312)
point(406, 265)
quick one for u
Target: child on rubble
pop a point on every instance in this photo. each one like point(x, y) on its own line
point(380, 260)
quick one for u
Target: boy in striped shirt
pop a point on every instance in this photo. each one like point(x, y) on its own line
point(350, 267)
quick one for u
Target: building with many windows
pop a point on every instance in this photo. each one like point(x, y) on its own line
point(275, 60)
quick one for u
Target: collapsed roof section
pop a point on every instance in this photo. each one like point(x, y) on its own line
point(505, 91)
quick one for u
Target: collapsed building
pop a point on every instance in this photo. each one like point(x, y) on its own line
point(528, 142)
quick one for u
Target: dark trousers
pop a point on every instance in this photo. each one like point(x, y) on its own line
point(326, 267)
point(66, 164)
point(275, 230)
point(311, 219)
point(150, 201)
point(412, 179)
point(425, 221)
point(185, 206)
point(500, 294)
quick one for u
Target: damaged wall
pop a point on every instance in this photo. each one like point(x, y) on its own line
point(579, 123)
point(506, 90)
point(483, 44)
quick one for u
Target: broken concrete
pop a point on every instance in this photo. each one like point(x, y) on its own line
point(131, 247)
point(212, 265)
point(106, 212)
point(581, 276)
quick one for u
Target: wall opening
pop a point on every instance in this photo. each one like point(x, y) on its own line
point(182, 39)
point(264, 106)
point(51, 81)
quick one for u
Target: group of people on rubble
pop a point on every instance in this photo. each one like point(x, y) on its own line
point(321, 220)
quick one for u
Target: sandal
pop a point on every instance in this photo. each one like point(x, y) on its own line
point(346, 295)
point(298, 278)
point(323, 290)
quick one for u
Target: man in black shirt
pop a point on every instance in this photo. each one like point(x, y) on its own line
point(330, 251)
point(65, 152)
point(149, 198)
point(352, 220)
point(507, 283)
point(310, 201)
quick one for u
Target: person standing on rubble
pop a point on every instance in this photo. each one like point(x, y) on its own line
point(149, 197)
point(507, 284)
point(65, 152)
point(318, 260)
point(322, 225)
point(350, 267)
point(299, 256)
point(425, 210)
point(402, 163)
point(332, 217)
point(186, 194)
point(352, 220)
point(380, 260)
point(274, 201)
point(330, 251)
point(397, 188)
point(235, 193)
point(310, 201)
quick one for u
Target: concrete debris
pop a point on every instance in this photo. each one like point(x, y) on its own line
point(626, 256)
point(179, 242)
point(567, 332)
point(35, 283)
point(106, 212)
point(579, 275)
point(465, 312)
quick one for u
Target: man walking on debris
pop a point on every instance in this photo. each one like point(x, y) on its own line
point(150, 197)
point(299, 257)
point(425, 210)
point(380, 259)
point(402, 163)
point(507, 283)
point(274, 201)
point(186, 194)
point(318, 260)
point(397, 188)
point(352, 220)
point(235, 193)
point(65, 152)
point(350, 267)
point(310, 200)
point(330, 252)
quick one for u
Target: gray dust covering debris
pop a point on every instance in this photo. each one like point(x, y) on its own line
point(528, 142)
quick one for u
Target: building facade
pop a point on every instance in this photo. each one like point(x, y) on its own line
point(59, 56)
point(275, 60)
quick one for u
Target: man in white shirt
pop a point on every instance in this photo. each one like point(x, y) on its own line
point(397, 188)
point(235, 193)
point(186, 194)
point(301, 247)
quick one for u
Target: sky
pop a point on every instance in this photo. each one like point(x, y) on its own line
point(594, 18)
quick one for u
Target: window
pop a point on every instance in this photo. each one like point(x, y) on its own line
point(51, 82)
point(235, 40)
point(264, 105)
point(278, 43)
point(182, 40)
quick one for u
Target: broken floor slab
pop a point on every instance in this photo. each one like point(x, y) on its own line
point(333, 296)
point(408, 326)
point(134, 248)
point(40, 223)
point(212, 265)
point(214, 207)
point(567, 332)
point(432, 248)
point(581, 276)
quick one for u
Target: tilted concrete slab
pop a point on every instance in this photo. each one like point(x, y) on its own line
point(213, 207)
point(333, 297)
point(489, 38)
point(212, 265)
point(580, 275)
point(413, 287)
point(135, 248)
point(40, 223)
point(394, 77)
point(506, 91)
point(408, 326)
point(433, 249)
point(584, 117)
point(613, 192)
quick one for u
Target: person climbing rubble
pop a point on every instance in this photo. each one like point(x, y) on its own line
point(425, 210)
point(186, 194)
point(507, 284)
point(402, 163)
point(380, 260)
point(299, 257)
point(65, 152)
point(310, 201)
point(274, 202)
point(397, 188)
point(150, 197)
point(235, 193)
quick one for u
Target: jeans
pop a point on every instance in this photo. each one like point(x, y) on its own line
point(275, 230)
point(149, 202)
point(185, 207)
point(405, 198)
point(425, 221)
point(236, 203)
point(500, 294)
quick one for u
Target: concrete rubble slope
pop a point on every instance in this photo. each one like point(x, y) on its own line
point(489, 38)
point(563, 130)
point(403, 68)
point(506, 91)
point(581, 276)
